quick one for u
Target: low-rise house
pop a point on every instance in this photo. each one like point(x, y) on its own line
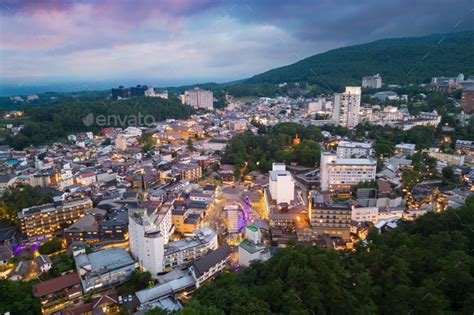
point(43, 263)
point(58, 292)
point(5, 254)
point(21, 270)
point(102, 303)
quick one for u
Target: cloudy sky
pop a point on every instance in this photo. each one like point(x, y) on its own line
point(176, 41)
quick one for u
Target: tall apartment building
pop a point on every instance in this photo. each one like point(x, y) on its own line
point(347, 106)
point(46, 219)
point(341, 174)
point(372, 82)
point(148, 233)
point(351, 149)
point(331, 219)
point(281, 184)
point(198, 98)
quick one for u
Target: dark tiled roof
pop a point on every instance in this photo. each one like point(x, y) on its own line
point(209, 260)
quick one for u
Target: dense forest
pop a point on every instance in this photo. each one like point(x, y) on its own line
point(421, 267)
point(54, 121)
point(20, 197)
point(251, 152)
point(398, 60)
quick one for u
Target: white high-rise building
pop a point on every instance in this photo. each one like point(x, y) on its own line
point(281, 184)
point(347, 106)
point(148, 234)
point(198, 98)
point(352, 149)
point(372, 82)
point(341, 174)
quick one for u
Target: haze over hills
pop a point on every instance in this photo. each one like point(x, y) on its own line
point(398, 60)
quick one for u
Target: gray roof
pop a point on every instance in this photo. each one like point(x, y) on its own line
point(165, 289)
point(206, 262)
point(108, 259)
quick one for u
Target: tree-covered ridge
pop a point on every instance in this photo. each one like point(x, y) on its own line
point(50, 123)
point(398, 60)
point(260, 151)
point(422, 267)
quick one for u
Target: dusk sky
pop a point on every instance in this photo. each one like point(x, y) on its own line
point(175, 41)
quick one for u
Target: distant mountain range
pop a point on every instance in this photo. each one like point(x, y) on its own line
point(398, 60)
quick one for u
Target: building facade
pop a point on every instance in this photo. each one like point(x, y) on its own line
point(342, 174)
point(350, 149)
point(281, 184)
point(467, 100)
point(46, 219)
point(347, 106)
point(148, 234)
point(198, 98)
point(330, 219)
point(372, 82)
point(103, 268)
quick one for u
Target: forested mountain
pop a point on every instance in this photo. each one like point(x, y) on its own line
point(398, 60)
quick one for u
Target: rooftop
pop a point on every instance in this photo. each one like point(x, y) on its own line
point(251, 247)
point(206, 262)
point(108, 259)
point(56, 284)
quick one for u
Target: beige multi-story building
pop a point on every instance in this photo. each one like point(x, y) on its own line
point(46, 219)
point(342, 174)
point(347, 106)
point(330, 219)
point(189, 171)
point(198, 98)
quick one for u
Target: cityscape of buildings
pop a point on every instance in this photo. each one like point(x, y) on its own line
point(180, 214)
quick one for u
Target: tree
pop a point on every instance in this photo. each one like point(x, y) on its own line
point(423, 267)
point(22, 196)
point(448, 174)
point(51, 246)
point(16, 297)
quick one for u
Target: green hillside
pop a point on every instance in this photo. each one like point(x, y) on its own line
point(421, 267)
point(398, 60)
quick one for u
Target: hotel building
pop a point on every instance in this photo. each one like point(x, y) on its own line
point(330, 219)
point(198, 98)
point(46, 219)
point(342, 174)
point(349, 149)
